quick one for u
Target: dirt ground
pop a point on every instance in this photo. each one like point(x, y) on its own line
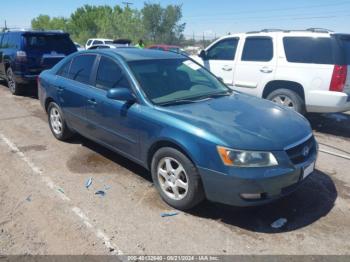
point(45, 207)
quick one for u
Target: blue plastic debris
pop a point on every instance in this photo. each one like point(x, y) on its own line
point(169, 214)
point(29, 198)
point(88, 183)
point(100, 193)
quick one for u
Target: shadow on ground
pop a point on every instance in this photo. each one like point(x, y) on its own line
point(314, 199)
point(337, 124)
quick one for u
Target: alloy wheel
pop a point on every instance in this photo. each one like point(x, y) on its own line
point(172, 178)
point(10, 80)
point(284, 101)
point(56, 121)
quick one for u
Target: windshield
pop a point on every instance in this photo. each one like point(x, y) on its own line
point(48, 43)
point(170, 80)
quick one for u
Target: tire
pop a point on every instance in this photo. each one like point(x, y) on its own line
point(288, 98)
point(57, 124)
point(186, 199)
point(14, 87)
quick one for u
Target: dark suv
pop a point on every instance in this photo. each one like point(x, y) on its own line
point(25, 54)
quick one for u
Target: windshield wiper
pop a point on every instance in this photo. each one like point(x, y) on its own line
point(177, 102)
point(215, 95)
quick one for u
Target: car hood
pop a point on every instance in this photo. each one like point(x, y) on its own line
point(242, 122)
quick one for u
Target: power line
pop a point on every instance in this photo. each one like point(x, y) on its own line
point(269, 10)
point(271, 18)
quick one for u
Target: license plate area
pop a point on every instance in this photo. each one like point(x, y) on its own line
point(308, 170)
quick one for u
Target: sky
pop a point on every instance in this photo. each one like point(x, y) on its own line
point(206, 17)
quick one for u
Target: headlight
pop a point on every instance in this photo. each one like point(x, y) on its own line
point(241, 158)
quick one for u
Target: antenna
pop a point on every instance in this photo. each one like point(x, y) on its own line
point(127, 4)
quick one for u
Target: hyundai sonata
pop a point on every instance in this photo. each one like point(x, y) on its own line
point(198, 138)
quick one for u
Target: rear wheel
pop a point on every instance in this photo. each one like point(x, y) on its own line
point(57, 123)
point(176, 179)
point(14, 87)
point(288, 98)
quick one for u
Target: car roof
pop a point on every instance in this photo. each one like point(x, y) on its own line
point(101, 39)
point(44, 32)
point(136, 54)
point(165, 46)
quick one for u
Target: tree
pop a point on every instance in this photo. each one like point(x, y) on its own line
point(45, 22)
point(163, 24)
point(153, 24)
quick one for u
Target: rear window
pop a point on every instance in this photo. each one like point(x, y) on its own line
point(49, 43)
point(311, 50)
point(345, 44)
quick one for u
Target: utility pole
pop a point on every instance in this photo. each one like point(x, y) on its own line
point(203, 40)
point(127, 4)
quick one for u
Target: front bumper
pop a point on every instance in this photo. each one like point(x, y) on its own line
point(271, 183)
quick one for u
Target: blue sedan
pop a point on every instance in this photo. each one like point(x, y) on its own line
point(198, 138)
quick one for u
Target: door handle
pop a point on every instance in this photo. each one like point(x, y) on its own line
point(60, 89)
point(92, 101)
point(266, 69)
point(227, 68)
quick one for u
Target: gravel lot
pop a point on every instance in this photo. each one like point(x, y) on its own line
point(46, 209)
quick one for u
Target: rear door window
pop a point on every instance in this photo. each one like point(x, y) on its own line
point(5, 39)
point(258, 49)
point(13, 40)
point(60, 43)
point(110, 75)
point(81, 68)
point(310, 50)
point(1, 37)
point(223, 50)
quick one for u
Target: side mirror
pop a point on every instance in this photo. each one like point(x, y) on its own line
point(121, 94)
point(203, 54)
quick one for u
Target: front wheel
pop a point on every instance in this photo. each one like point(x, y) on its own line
point(288, 98)
point(57, 123)
point(176, 178)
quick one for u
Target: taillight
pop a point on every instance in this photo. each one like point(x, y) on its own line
point(21, 56)
point(338, 78)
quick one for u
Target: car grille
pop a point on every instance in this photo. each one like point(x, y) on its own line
point(297, 155)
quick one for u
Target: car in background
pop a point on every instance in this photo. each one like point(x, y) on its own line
point(24, 54)
point(97, 41)
point(306, 70)
point(167, 113)
point(115, 44)
point(172, 48)
point(79, 47)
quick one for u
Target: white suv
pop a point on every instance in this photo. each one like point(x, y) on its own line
point(305, 70)
point(97, 41)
